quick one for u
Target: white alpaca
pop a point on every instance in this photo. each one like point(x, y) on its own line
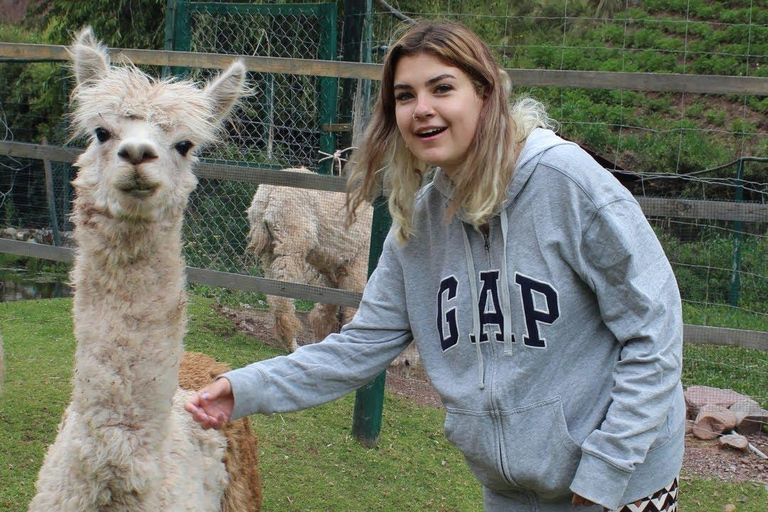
point(125, 442)
point(298, 235)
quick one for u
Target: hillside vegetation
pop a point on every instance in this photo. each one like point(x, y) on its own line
point(695, 139)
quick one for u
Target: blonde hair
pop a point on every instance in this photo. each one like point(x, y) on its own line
point(480, 182)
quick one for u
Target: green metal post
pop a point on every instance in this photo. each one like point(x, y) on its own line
point(170, 30)
point(369, 401)
point(170, 23)
point(328, 86)
point(50, 196)
point(738, 230)
point(352, 50)
point(177, 32)
point(738, 226)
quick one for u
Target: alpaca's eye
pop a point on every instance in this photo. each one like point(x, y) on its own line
point(102, 135)
point(183, 147)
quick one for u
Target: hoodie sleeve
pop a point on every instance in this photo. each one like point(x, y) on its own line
point(639, 301)
point(342, 362)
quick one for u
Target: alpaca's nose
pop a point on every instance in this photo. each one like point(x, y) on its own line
point(136, 152)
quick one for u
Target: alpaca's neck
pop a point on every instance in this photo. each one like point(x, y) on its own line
point(129, 313)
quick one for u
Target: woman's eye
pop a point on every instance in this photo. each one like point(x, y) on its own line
point(443, 88)
point(403, 96)
point(183, 147)
point(102, 135)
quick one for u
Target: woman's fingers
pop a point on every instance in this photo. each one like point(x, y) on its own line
point(581, 501)
point(212, 405)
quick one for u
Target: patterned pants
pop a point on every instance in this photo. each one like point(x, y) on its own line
point(664, 500)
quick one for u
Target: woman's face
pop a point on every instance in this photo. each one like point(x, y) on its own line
point(437, 110)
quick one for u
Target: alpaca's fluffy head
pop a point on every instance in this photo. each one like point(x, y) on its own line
point(144, 133)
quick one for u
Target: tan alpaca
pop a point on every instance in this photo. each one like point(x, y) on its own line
point(298, 235)
point(244, 491)
point(125, 442)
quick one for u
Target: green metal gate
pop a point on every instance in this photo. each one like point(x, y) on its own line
point(282, 122)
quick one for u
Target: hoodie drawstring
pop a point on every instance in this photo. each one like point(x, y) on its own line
point(506, 303)
point(475, 313)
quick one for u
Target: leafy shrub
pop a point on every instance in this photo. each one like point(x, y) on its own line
point(715, 116)
point(717, 65)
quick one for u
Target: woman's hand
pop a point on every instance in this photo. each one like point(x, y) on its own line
point(580, 501)
point(212, 406)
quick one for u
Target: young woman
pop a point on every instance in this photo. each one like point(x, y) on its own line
point(542, 305)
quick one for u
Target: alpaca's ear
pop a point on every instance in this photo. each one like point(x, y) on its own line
point(226, 89)
point(90, 58)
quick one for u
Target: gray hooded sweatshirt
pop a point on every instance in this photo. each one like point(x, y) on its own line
point(554, 341)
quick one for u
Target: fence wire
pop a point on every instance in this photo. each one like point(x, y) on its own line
point(281, 121)
point(676, 146)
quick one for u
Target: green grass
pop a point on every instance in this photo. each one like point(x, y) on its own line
point(742, 370)
point(309, 461)
point(721, 315)
point(413, 467)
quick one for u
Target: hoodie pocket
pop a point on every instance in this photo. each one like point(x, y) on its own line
point(538, 453)
point(476, 434)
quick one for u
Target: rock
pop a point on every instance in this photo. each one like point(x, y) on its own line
point(750, 417)
point(43, 236)
point(735, 441)
point(8, 233)
point(688, 427)
point(67, 239)
point(698, 396)
point(712, 421)
point(729, 508)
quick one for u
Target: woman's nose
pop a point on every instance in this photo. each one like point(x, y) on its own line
point(422, 110)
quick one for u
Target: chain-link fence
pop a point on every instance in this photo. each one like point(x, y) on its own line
point(678, 146)
point(709, 148)
point(283, 123)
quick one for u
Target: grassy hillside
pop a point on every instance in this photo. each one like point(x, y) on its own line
point(641, 132)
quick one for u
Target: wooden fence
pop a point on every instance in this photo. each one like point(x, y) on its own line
point(658, 207)
point(650, 82)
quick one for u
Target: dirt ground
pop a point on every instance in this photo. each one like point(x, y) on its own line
point(702, 458)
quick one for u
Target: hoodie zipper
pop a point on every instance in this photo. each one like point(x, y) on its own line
point(486, 231)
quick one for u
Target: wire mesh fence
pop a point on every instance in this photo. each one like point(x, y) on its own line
point(281, 122)
point(673, 145)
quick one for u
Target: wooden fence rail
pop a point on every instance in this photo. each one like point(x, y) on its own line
point(696, 334)
point(652, 206)
point(205, 276)
point(650, 82)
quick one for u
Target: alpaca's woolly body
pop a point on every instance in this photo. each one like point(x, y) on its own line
point(299, 236)
point(125, 443)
